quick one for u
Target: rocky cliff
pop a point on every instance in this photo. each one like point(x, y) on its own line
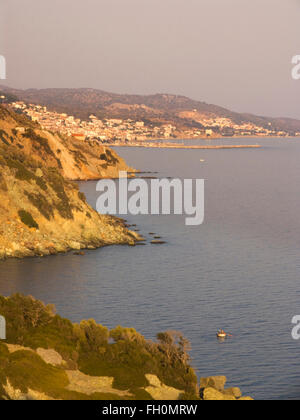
point(41, 211)
point(74, 159)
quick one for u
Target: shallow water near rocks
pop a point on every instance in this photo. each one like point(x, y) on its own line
point(238, 271)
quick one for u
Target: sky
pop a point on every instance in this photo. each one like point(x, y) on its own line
point(233, 53)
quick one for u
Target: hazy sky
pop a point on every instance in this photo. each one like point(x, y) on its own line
point(235, 53)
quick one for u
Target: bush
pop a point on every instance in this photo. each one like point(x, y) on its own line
point(58, 184)
point(82, 196)
point(13, 161)
point(86, 346)
point(41, 203)
point(92, 336)
point(27, 219)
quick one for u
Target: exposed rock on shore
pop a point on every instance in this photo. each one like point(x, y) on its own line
point(213, 389)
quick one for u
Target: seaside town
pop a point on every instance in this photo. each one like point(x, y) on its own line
point(119, 131)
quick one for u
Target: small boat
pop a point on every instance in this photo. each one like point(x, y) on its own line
point(222, 334)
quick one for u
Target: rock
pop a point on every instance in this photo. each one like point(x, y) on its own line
point(156, 242)
point(85, 384)
point(160, 391)
point(236, 392)
point(50, 356)
point(39, 173)
point(216, 382)
point(245, 399)
point(17, 395)
point(211, 394)
point(74, 245)
point(12, 348)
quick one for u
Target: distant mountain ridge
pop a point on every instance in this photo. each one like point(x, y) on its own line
point(158, 108)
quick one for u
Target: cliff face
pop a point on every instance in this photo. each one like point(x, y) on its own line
point(41, 213)
point(74, 159)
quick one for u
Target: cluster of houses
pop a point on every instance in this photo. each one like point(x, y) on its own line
point(105, 131)
point(128, 131)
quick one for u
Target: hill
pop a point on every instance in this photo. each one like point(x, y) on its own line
point(73, 159)
point(156, 109)
point(41, 211)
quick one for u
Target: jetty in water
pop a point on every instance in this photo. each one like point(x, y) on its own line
point(186, 146)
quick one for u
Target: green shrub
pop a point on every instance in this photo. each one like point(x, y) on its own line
point(40, 143)
point(82, 196)
point(58, 184)
point(109, 158)
point(41, 203)
point(92, 336)
point(27, 219)
point(13, 161)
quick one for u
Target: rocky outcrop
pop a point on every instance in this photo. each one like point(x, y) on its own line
point(216, 382)
point(50, 356)
point(213, 389)
point(211, 394)
point(42, 213)
point(160, 391)
point(93, 387)
point(15, 394)
point(47, 215)
point(80, 383)
point(89, 385)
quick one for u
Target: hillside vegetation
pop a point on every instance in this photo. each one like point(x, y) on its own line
point(48, 357)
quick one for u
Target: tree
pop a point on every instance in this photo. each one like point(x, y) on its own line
point(174, 345)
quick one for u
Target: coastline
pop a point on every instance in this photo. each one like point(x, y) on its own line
point(110, 230)
point(183, 146)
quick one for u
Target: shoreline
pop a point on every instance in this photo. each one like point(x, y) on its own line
point(184, 146)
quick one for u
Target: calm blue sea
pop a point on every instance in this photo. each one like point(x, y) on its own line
point(238, 271)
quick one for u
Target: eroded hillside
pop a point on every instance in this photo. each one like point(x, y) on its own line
point(74, 159)
point(41, 213)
